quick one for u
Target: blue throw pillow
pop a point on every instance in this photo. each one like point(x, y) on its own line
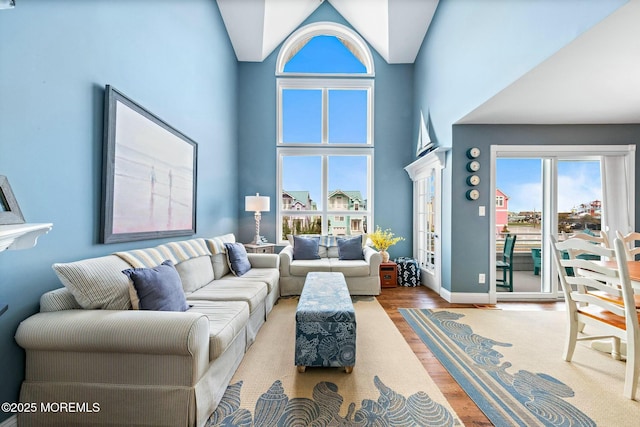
point(237, 258)
point(159, 288)
point(350, 248)
point(305, 247)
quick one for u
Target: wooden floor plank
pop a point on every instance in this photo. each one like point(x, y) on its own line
point(421, 297)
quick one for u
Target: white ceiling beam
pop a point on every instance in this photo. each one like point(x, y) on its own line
point(282, 17)
point(257, 27)
point(370, 18)
point(409, 21)
point(394, 28)
point(244, 21)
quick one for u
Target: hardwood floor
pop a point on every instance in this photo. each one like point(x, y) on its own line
point(421, 297)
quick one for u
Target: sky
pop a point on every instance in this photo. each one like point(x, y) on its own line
point(521, 180)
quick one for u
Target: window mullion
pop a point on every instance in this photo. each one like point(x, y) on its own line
point(325, 115)
point(325, 194)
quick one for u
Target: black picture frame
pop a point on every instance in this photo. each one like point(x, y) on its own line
point(149, 175)
point(10, 212)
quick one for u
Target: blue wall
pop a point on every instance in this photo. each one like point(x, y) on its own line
point(472, 51)
point(471, 243)
point(174, 58)
point(393, 134)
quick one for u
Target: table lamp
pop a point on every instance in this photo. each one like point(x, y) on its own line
point(257, 204)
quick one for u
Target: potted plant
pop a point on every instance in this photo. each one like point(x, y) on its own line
point(382, 240)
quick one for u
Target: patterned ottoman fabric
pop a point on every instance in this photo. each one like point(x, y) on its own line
point(408, 271)
point(325, 323)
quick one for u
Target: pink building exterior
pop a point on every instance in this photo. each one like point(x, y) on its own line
point(502, 210)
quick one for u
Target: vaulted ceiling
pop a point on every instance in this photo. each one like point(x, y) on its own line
point(594, 79)
point(394, 28)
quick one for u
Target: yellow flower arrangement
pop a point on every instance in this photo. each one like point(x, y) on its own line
point(383, 239)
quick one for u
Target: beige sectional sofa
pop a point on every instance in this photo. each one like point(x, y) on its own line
point(144, 367)
point(362, 276)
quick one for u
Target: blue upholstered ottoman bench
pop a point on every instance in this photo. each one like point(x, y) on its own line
point(325, 323)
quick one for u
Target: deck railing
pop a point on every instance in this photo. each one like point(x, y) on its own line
point(525, 241)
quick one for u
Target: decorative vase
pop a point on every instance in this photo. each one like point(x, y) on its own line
point(385, 256)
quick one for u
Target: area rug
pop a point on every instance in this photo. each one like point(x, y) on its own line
point(510, 363)
point(388, 385)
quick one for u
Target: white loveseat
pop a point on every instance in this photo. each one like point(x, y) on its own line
point(144, 367)
point(362, 276)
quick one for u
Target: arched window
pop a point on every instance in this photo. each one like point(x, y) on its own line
point(325, 48)
point(325, 132)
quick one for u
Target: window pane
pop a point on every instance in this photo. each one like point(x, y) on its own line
point(348, 116)
point(348, 189)
point(301, 116)
point(301, 183)
point(347, 225)
point(324, 54)
point(518, 212)
point(301, 224)
point(579, 196)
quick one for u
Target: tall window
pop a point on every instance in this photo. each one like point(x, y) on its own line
point(425, 209)
point(325, 132)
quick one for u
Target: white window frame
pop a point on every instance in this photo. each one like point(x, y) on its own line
point(420, 171)
point(325, 82)
point(324, 153)
point(326, 29)
point(325, 85)
point(551, 154)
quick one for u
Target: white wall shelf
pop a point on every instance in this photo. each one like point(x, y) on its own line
point(21, 236)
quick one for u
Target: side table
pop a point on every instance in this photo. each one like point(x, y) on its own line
point(388, 275)
point(265, 248)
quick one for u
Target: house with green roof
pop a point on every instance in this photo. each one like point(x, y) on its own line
point(342, 200)
point(297, 201)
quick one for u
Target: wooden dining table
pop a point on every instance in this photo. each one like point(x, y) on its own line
point(634, 270)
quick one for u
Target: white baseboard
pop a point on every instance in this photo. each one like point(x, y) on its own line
point(10, 422)
point(446, 294)
point(464, 297)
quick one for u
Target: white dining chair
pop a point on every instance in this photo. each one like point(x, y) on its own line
point(602, 240)
point(629, 241)
point(599, 297)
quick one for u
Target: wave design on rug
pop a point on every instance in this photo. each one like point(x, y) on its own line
point(275, 408)
point(542, 394)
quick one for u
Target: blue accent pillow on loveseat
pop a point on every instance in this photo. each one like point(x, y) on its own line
point(350, 248)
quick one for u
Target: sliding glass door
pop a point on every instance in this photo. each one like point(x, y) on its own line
point(559, 193)
point(518, 212)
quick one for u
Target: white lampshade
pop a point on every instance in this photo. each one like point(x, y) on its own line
point(256, 203)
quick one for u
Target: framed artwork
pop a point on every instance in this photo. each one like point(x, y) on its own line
point(148, 175)
point(9, 210)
